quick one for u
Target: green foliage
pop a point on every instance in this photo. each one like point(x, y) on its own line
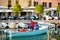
point(58, 8)
point(58, 38)
point(17, 8)
point(39, 8)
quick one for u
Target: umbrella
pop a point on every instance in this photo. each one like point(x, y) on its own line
point(12, 25)
point(40, 22)
point(21, 24)
point(3, 24)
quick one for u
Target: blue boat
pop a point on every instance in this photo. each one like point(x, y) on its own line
point(28, 33)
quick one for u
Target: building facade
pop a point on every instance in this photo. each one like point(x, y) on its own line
point(27, 3)
point(48, 3)
point(23, 3)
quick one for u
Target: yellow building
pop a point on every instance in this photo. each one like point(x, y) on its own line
point(23, 3)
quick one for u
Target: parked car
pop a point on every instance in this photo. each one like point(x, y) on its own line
point(15, 17)
point(3, 17)
point(36, 17)
point(11, 17)
point(31, 17)
point(21, 17)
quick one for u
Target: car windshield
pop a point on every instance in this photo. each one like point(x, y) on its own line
point(21, 16)
point(31, 17)
point(3, 16)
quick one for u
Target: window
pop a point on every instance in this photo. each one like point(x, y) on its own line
point(17, 1)
point(9, 4)
point(58, 3)
point(45, 4)
point(50, 4)
point(29, 3)
point(35, 3)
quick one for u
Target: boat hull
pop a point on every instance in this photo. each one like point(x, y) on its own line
point(28, 33)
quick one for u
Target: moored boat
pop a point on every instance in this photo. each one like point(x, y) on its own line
point(41, 30)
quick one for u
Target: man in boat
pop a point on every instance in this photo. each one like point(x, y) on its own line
point(32, 23)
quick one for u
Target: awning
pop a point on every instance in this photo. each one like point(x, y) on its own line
point(9, 11)
point(21, 24)
point(28, 10)
point(2, 10)
point(3, 7)
point(50, 9)
point(31, 7)
point(3, 24)
point(6, 11)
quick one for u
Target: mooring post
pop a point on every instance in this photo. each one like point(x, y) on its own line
point(49, 35)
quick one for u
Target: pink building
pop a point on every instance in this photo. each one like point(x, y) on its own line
point(48, 3)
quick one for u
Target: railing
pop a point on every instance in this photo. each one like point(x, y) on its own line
point(27, 21)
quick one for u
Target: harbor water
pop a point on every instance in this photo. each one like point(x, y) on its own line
point(35, 37)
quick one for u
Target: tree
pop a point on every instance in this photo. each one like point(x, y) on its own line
point(17, 8)
point(58, 37)
point(58, 8)
point(39, 9)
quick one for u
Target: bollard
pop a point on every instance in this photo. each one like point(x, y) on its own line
point(49, 35)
